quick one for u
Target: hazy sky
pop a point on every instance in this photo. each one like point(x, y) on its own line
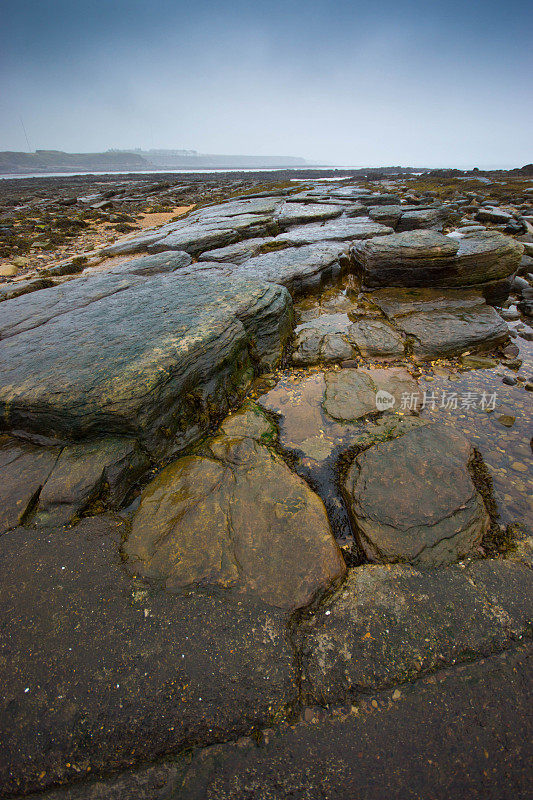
point(411, 82)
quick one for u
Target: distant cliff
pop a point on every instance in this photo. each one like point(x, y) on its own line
point(12, 162)
point(190, 159)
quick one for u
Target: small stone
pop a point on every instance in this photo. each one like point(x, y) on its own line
point(511, 351)
point(375, 703)
point(8, 270)
point(478, 362)
point(20, 261)
point(396, 694)
point(507, 420)
point(518, 467)
point(509, 380)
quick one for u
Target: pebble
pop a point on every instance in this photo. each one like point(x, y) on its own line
point(518, 467)
point(396, 694)
point(509, 380)
point(8, 270)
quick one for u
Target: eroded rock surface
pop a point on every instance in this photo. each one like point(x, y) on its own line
point(447, 518)
point(353, 393)
point(151, 357)
point(389, 623)
point(239, 519)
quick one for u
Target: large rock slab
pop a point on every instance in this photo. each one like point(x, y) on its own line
point(239, 519)
point(151, 357)
point(209, 227)
point(353, 393)
point(296, 213)
point(413, 499)
point(344, 229)
point(98, 673)
point(464, 732)
point(298, 268)
point(389, 624)
point(442, 323)
point(426, 258)
point(197, 237)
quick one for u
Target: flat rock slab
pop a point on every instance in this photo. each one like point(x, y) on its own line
point(150, 357)
point(240, 520)
point(353, 393)
point(297, 268)
point(98, 673)
point(236, 253)
point(388, 624)
point(413, 499)
point(337, 230)
point(197, 237)
point(296, 213)
point(465, 732)
point(167, 261)
point(442, 322)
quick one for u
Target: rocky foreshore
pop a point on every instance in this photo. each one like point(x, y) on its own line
point(265, 483)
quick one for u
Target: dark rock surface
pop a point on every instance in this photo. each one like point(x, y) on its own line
point(24, 469)
point(85, 473)
point(448, 737)
point(99, 673)
point(389, 624)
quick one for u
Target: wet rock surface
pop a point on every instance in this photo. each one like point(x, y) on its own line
point(430, 463)
point(239, 519)
point(351, 394)
point(108, 673)
point(214, 442)
point(390, 624)
point(128, 354)
point(425, 258)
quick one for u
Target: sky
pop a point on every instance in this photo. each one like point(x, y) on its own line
point(360, 82)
